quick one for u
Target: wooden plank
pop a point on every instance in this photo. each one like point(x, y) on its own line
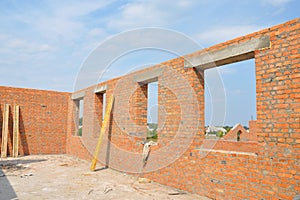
point(16, 131)
point(5, 131)
point(103, 129)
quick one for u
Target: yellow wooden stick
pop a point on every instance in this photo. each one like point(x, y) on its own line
point(102, 132)
point(5, 131)
point(16, 131)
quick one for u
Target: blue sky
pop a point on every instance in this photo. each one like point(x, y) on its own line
point(44, 43)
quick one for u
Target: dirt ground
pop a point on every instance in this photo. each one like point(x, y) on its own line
point(65, 177)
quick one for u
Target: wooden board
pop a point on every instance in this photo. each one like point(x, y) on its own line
point(5, 131)
point(103, 129)
point(16, 132)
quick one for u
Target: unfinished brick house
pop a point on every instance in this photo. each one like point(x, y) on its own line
point(239, 133)
point(268, 168)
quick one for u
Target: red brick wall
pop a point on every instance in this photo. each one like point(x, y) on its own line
point(244, 134)
point(235, 146)
point(278, 116)
point(267, 169)
point(252, 129)
point(43, 119)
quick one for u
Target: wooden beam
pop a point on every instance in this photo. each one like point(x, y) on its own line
point(102, 132)
point(16, 131)
point(5, 131)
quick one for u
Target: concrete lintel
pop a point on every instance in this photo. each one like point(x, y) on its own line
point(148, 77)
point(232, 53)
point(78, 95)
point(100, 89)
point(228, 152)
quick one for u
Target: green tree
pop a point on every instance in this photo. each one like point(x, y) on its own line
point(220, 134)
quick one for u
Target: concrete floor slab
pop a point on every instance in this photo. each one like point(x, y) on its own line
point(65, 177)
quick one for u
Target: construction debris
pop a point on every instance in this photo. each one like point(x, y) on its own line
point(177, 193)
point(90, 192)
point(144, 180)
point(26, 175)
point(107, 190)
point(146, 151)
point(69, 182)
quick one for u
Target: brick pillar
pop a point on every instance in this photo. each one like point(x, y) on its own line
point(278, 111)
point(252, 130)
point(138, 107)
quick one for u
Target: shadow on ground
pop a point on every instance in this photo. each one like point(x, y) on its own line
point(7, 191)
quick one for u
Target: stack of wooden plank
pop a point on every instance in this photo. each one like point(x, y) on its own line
point(5, 131)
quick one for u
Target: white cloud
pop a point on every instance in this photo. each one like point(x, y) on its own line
point(238, 92)
point(96, 32)
point(26, 46)
point(226, 70)
point(149, 13)
point(4, 36)
point(138, 14)
point(47, 40)
point(277, 2)
point(223, 33)
point(61, 19)
point(57, 35)
point(184, 3)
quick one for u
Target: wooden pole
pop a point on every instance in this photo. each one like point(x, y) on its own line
point(16, 131)
point(103, 129)
point(5, 131)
